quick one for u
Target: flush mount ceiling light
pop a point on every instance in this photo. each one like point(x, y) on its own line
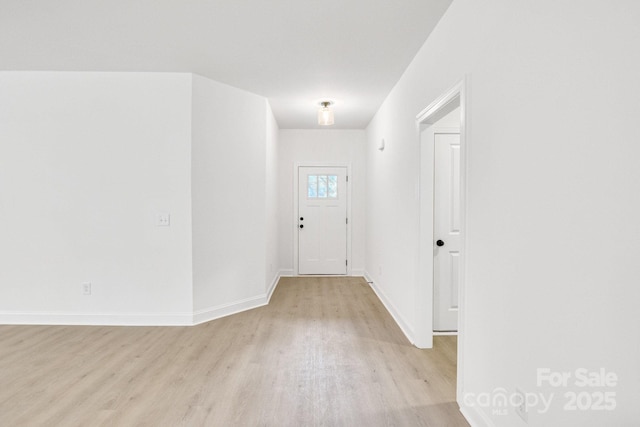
point(325, 114)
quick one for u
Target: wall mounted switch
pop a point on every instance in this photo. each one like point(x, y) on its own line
point(162, 220)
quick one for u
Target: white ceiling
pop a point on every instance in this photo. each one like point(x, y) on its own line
point(293, 52)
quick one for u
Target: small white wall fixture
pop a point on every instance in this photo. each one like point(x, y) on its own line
point(447, 102)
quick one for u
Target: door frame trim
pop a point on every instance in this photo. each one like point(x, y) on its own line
point(423, 332)
point(296, 180)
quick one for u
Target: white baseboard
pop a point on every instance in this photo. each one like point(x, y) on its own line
point(444, 333)
point(404, 326)
point(475, 416)
point(272, 286)
point(139, 319)
point(96, 319)
point(290, 273)
point(223, 310)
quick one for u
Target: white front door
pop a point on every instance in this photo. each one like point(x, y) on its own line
point(322, 220)
point(446, 230)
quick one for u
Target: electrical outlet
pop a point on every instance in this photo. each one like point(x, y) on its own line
point(521, 408)
point(162, 220)
point(86, 288)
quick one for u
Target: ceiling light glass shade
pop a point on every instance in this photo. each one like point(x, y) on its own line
point(325, 115)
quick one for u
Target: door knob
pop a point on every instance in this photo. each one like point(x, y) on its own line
point(301, 226)
point(440, 243)
point(301, 218)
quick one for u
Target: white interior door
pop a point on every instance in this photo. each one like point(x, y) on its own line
point(446, 229)
point(322, 220)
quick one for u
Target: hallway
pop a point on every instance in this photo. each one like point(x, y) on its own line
point(323, 352)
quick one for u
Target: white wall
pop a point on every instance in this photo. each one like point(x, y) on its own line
point(552, 271)
point(272, 260)
point(451, 120)
point(331, 146)
point(86, 162)
point(228, 190)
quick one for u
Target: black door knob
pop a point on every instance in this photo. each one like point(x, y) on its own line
point(301, 226)
point(301, 219)
point(440, 243)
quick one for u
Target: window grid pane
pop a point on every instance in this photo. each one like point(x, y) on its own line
point(322, 186)
point(333, 186)
point(312, 186)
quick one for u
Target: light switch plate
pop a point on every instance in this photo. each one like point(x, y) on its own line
point(162, 219)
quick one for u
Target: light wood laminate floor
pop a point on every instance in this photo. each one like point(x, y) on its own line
point(324, 352)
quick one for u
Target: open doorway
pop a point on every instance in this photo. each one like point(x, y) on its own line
point(441, 278)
